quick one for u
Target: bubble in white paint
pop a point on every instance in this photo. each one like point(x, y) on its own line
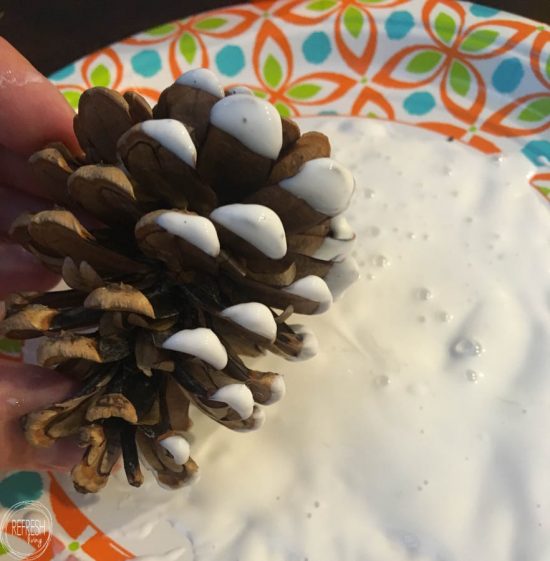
point(382, 381)
point(465, 347)
point(423, 294)
point(380, 261)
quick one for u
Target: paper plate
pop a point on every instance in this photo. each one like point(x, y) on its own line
point(462, 70)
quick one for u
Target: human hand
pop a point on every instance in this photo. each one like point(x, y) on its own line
point(32, 113)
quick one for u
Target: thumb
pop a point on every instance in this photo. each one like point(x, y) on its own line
point(37, 112)
point(25, 388)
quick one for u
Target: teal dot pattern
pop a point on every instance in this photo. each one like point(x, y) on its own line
point(508, 75)
point(230, 60)
point(20, 486)
point(399, 24)
point(317, 47)
point(146, 63)
point(483, 11)
point(419, 103)
point(538, 151)
point(63, 73)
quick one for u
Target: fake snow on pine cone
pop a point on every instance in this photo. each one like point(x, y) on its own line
point(217, 221)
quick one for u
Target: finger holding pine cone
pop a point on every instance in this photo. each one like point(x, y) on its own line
point(218, 221)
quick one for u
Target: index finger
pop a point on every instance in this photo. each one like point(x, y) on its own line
point(33, 111)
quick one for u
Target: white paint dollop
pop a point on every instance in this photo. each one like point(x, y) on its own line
point(312, 288)
point(195, 229)
point(240, 90)
point(178, 447)
point(341, 229)
point(278, 390)
point(236, 396)
point(174, 136)
point(324, 184)
point(252, 121)
point(253, 316)
point(339, 242)
point(256, 224)
point(202, 343)
point(202, 79)
point(310, 344)
point(341, 276)
point(332, 248)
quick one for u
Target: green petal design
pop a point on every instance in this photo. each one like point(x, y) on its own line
point(460, 78)
point(303, 91)
point(100, 76)
point(283, 109)
point(445, 27)
point(3, 549)
point(188, 47)
point(10, 346)
point(547, 69)
point(210, 23)
point(353, 21)
point(272, 71)
point(424, 62)
point(536, 111)
point(159, 30)
point(479, 40)
point(73, 98)
point(321, 5)
point(259, 93)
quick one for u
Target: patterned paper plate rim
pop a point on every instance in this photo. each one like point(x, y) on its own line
point(466, 71)
point(460, 69)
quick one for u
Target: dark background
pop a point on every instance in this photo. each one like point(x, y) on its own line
point(52, 33)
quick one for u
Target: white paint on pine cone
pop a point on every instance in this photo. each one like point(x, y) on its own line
point(258, 416)
point(192, 479)
point(202, 79)
point(256, 224)
point(202, 343)
point(341, 276)
point(312, 288)
point(324, 184)
point(310, 345)
point(197, 230)
point(253, 316)
point(178, 447)
point(239, 90)
point(252, 121)
point(174, 136)
point(340, 242)
point(332, 248)
point(278, 390)
point(340, 228)
point(238, 397)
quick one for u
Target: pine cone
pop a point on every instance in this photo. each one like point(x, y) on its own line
point(214, 212)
